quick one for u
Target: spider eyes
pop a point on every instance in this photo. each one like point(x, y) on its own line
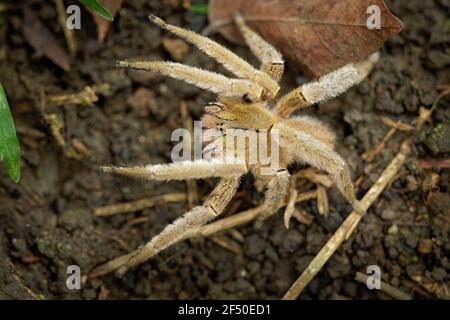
point(247, 98)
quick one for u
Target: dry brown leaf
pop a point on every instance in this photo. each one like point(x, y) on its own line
point(102, 24)
point(319, 35)
point(43, 41)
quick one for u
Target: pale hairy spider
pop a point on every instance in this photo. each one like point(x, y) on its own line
point(245, 103)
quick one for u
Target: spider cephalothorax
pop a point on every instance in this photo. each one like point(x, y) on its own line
point(246, 103)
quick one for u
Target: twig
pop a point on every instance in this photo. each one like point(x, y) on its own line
point(397, 124)
point(347, 227)
point(87, 97)
point(440, 290)
point(68, 34)
point(434, 163)
point(227, 244)
point(352, 221)
point(371, 154)
point(78, 151)
point(322, 201)
point(138, 204)
point(201, 231)
point(30, 132)
point(385, 287)
point(290, 207)
point(311, 175)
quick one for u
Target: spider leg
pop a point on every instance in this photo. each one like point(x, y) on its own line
point(327, 87)
point(314, 152)
point(204, 79)
point(364, 67)
point(228, 59)
point(198, 169)
point(277, 190)
point(271, 58)
point(178, 230)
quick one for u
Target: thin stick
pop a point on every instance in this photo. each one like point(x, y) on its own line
point(87, 97)
point(68, 34)
point(56, 125)
point(317, 178)
point(371, 154)
point(397, 124)
point(322, 201)
point(202, 231)
point(227, 243)
point(432, 163)
point(352, 221)
point(138, 204)
point(349, 224)
point(385, 287)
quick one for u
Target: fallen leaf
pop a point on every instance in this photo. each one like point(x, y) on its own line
point(102, 24)
point(43, 41)
point(319, 35)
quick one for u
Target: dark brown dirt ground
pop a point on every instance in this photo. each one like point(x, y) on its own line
point(47, 221)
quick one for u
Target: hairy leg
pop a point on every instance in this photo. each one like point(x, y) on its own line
point(314, 152)
point(231, 61)
point(276, 192)
point(204, 79)
point(327, 87)
point(178, 230)
point(271, 58)
point(314, 127)
point(198, 169)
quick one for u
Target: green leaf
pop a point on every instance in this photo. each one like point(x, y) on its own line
point(199, 8)
point(9, 145)
point(95, 6)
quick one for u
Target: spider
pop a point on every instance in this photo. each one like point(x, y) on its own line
point(245, 103)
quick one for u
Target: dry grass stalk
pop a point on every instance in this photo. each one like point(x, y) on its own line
point(371, 154)
point(202, 231)
point(87, 97)
point(76, 150)
point(315, 177)
point(137, 205)
point(68, 34)
point(352, 221)
point(227, 244)
point(290, 207)
point(397, 124)
point(348, 225)
point(440, 290)
point(394, 292)
point(322, 201)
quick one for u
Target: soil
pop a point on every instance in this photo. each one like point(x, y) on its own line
point(47, 220)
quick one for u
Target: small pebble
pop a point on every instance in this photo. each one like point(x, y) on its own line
point(388, 214)
point(425, 246)
point(393, 229)
point(438, 273)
